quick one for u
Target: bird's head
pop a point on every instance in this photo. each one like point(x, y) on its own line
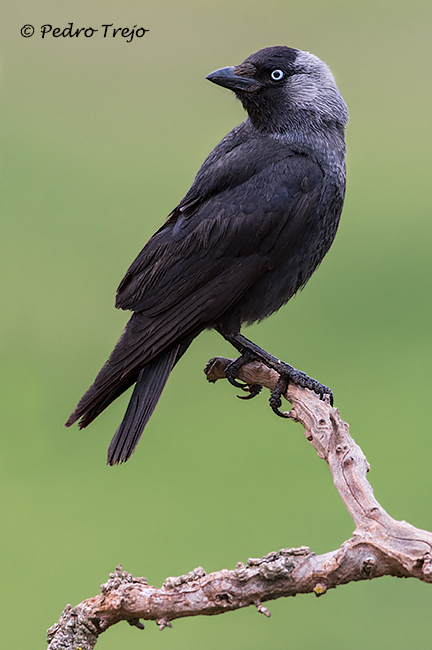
point(277, 84)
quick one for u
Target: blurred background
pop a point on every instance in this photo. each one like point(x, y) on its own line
point(100, 139)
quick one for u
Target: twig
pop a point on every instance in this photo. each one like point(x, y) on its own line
point(379, 546)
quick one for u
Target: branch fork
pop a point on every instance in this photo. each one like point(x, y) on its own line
point(380, 545)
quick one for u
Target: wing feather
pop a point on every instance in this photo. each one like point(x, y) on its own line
point(245, 223)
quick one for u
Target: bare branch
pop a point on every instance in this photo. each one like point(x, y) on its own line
point(379, 546)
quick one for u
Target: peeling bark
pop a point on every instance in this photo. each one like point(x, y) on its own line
point(379, 546)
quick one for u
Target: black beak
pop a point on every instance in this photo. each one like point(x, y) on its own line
point(228, 79)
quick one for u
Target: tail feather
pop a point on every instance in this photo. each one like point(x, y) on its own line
point(148, 388)
point(101, 404)
point(96, 399)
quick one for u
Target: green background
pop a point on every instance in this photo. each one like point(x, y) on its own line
point(99, 140)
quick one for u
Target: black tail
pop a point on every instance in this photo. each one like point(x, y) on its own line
point(148, 388)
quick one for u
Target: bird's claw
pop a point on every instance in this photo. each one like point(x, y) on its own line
point(253, 389)
point(236, 383)
point(275, 398)
point(231, 371)
point(231, 374)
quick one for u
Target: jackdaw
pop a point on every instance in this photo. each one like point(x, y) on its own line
point(259, 217)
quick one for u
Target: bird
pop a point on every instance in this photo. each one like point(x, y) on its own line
point(261, 213)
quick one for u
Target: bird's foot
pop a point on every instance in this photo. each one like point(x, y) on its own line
point(252, 352)
point(289, 374)
point(231, 373)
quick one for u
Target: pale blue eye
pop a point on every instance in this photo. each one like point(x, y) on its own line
point(277, 75)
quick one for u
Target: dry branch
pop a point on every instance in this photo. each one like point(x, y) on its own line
point(379, 546)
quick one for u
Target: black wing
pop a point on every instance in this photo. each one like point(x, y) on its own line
point(245, 208)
